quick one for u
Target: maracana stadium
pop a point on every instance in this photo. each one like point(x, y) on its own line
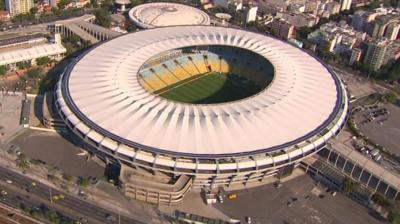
point(199, 107)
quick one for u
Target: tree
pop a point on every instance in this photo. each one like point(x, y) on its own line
point(129, 26)
point(33, 10)
point(83, 182)
point(135, 2)
point(35, 73)
point(391, 97)
point(374, 4)
point(103, 17)
point(380, 200)
point(303, 32)
point(394, 72)
point(347, 186)
point(23, 64)
point(94, 3)
point(22, 162)
point(2, 5)
point(62, 3)
point(43, 60)
point(3, 70)
point(67, 177)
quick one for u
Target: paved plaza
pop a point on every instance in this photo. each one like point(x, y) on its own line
point(10, 112)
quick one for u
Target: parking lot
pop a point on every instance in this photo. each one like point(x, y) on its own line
point(268, 204)
point(384, 129)
point(58, 152)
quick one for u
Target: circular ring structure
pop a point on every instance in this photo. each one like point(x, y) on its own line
point(161, 14)
point(100, 98)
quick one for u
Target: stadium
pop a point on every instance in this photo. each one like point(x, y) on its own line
point(199, 107)
point(161, 14)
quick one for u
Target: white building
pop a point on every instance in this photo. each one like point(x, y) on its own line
point(16, 7)
point(251, 14)
point(28, 50)
point(345, 5)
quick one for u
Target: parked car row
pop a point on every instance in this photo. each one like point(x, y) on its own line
point(369, 152)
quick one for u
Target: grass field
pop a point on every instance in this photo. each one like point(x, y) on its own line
point(211, 88)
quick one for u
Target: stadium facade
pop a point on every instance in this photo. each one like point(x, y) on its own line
point(109, 98)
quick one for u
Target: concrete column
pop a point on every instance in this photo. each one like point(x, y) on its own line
point(369, 179)
point(387, 188)
point(337, 158)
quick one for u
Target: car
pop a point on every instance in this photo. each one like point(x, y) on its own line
point(232, 196)
point(289, 204)
point(110, 218)
point(9, 181)
point(3, 192)
point(220, 198)
point(333, 193)
point(278, 184)
point(248, 220)
point(33, 184)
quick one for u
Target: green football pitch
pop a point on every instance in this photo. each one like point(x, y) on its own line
point(210, 88)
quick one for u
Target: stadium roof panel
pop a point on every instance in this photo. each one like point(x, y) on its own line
point(302, 100)
point(160, 14)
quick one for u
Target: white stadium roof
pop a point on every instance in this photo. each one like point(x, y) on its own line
point(103, 91)
point(162, 14)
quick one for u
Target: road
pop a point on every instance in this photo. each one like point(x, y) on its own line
point(70, 205)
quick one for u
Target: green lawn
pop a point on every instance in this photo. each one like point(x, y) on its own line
point(211, 88)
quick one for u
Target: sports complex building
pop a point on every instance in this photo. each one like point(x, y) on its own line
point(199, 106)
point(161, 14)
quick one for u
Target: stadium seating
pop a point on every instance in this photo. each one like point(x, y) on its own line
point(152, 79)
point(175, 68)
point(198, 61)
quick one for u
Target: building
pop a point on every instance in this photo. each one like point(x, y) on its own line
point(355, 55)
point(392, 52)
point(54, 3)
point(299, 19)
point(235, 5)
point(311, 6)
point(4, 16)
point(345, 5)
point(273, 6)
point(336, 37)
point(160, 14)
point(332, 8)
point(28, 48)
point(362, 18)
point(165, 148)
point(375, 56)
point(297, 8)
point(16, 7)
point(386, 25)
point(281, 29)
point(392, 30)
point(251, 15)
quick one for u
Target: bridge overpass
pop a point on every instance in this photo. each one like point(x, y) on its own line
point(85, 29)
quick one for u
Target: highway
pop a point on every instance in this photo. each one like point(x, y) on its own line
point(21, 191)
